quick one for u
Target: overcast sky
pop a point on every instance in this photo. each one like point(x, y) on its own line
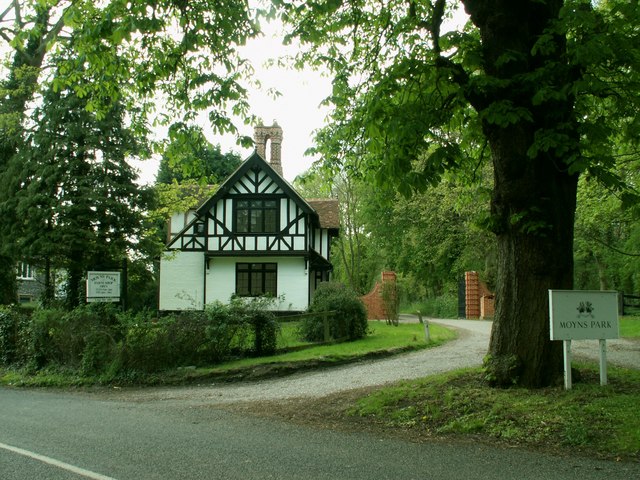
point(297, 110)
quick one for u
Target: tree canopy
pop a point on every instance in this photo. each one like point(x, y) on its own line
point(190, 156)
point(545, 90)
point(78, 205)
point(184, 54)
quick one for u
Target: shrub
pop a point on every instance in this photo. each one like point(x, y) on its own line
point(349, 322)
point(13, 335)
point(84, 337)
point(145, 346)
point(198, 337)
point(262, 321)
point(100, 339)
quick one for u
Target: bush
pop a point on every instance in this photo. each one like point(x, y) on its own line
point(83, 338)
point(99, 339)
point(13, 335)
point(199, 337)
point(349, 322)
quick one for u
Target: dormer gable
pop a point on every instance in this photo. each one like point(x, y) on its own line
point(254, 210)
point(256, 177)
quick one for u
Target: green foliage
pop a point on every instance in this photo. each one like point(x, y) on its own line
point(13, 324)
point(98, 339)
point(382, 340)
point(607, 235)
point(444, 306)
point(83, 338)
point(349, 320)
point(189, 156)
point(79, 202)
point(117, 56)
point(589, 418)
point(416, 99)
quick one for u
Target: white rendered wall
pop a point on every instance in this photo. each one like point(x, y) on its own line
point(182, 281)
point(178, 221)
point(293, 280)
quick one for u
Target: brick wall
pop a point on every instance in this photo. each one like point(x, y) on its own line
point(479, 299)
point(373, 300)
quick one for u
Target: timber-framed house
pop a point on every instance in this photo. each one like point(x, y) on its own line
point(254, 236)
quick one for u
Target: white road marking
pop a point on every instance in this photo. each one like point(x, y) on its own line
point(56, 463)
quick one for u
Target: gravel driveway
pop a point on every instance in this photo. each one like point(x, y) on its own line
point(466, 351)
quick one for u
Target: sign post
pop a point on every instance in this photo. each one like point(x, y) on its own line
point(103, 286)
point(583, 315)
point(566, 353)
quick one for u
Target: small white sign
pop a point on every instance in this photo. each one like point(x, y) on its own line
point(103, 286)
point(583, 314)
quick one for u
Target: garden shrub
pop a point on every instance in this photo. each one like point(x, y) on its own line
point(99, 339)
point(349, 322)
point(65, 337)
point(199, 337)
point(13, 334)
point(145, 347)
point(261, 321)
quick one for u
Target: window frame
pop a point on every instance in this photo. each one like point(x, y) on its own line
point(256, 206)
point(249, 272)
point(25, 271)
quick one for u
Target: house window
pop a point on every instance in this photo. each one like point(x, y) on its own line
point(25, 272)
point(25, 298)
point(256, 216)
point(255, 279)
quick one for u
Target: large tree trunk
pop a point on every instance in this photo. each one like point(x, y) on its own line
point(534, 203)
point(534, 198)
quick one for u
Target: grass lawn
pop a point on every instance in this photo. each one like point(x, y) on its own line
point(630, 327)
point(589, 419)
point(382, 339)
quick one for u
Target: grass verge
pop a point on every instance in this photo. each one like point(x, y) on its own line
point(293, 355)
point(630, 327)
point(589, 419)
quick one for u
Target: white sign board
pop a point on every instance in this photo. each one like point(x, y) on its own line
point(103, 286)
point(583, 315)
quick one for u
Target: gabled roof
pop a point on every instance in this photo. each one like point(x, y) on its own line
point(328, 211)
point(255, 160)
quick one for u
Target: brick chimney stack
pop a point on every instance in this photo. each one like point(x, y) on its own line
point(261, 136)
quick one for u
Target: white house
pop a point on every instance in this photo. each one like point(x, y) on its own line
point(254, 236)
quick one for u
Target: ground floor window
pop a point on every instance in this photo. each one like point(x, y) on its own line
point(255, 279)
point(26, 298)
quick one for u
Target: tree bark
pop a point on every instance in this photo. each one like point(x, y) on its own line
point(534, 198)
point(534, 204)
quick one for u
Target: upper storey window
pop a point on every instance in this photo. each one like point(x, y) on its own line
point(256, 216)
point(25, 272)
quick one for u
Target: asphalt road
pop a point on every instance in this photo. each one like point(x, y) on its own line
point(155, 434)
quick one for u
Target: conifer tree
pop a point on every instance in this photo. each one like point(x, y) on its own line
point(79, 206)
